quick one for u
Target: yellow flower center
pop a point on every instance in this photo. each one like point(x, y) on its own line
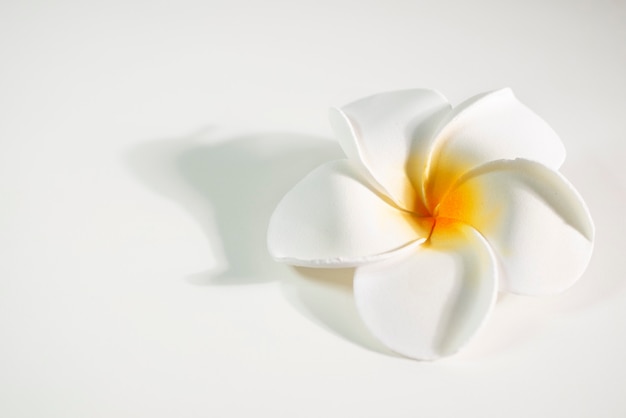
point(448, 200)
point(460, 203)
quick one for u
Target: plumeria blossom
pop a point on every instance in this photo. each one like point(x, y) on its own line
point(439, 209)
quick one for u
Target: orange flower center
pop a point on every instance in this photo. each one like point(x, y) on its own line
point(450, 200)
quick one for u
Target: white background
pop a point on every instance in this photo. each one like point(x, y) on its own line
point(144, 144)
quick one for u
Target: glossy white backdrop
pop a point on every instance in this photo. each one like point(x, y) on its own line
point(143, 146)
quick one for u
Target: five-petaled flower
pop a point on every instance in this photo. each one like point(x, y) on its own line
point(438, 208)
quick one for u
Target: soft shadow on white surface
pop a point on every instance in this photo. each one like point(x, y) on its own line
point(230, 186)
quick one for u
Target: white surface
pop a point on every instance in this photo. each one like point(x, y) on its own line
point(144, 145)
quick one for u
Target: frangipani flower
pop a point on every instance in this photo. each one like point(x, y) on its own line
point(438, 208)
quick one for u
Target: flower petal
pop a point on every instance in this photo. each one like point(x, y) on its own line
point(429, 301)
point(536, 222)
point(383, 130)
point(332, 217)
point(489, 127)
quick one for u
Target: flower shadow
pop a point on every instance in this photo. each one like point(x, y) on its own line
point(230, 185)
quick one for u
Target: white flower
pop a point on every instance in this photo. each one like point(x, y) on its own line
point(438, 208)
